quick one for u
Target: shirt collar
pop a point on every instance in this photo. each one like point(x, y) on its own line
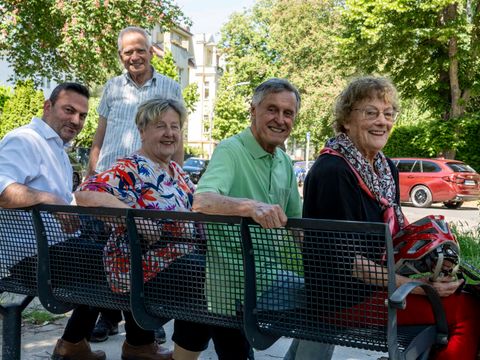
point(128, 79)
point(46, 131)
point(252, 145)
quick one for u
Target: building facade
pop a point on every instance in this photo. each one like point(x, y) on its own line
point(206, 74)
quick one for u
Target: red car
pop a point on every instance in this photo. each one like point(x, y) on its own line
point(425, 181)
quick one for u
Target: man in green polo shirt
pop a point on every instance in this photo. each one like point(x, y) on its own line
point(248, 175)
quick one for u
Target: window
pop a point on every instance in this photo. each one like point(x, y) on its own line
point(206, 90)
point(430, 167)
point(416, 167)
point(208, 57)
point(180, 74)
point(460, 167)
point(405, 165)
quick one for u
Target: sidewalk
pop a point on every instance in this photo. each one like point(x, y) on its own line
point(38, 342)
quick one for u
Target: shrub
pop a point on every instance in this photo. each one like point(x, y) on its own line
point(85, 138)
point(19, 109)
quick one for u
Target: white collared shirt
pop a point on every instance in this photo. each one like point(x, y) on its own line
point(34, 155)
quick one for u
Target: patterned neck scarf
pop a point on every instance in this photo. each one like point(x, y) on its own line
point(378, 179)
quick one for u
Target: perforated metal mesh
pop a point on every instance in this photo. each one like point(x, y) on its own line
point(18, 248)
point(318, 280)
point(332, 298)
point(202, 273)
point(78, 274)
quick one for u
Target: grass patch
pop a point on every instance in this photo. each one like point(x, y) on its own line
point(469, 240)
point(40, 317)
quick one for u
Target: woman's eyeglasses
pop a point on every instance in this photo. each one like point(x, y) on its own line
point(372, 113)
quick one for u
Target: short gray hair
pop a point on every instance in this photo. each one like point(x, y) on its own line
point(274, 85)
point(133, 29)
point(365, 87)
point(154, 108)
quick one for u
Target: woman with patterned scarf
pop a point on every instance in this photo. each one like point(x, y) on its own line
point(353, 180)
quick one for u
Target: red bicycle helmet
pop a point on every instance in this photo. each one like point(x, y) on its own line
point(426, 246)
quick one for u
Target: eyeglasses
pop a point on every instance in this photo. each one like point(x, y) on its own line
point(372, 113)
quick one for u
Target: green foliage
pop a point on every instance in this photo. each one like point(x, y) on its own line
point(428, 47)
point(77, 39)
point(166, 65)
point(85, 137)
point(5, 94)
point(248, 55)
point(19, 109)
point(191, 97)
point(249, 61)
point(469, 148)
point(430, 138)
point(406, 141)
point(303, 37)
point(231, 109)
point(193, 151)
point(468, 239)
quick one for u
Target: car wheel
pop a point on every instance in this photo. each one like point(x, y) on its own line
point(453, 204)
point(421, 196)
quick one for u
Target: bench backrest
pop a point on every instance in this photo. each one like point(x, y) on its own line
point(320, 280)
point(17, 244)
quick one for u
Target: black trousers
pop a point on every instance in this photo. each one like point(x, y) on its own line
point(83, 319)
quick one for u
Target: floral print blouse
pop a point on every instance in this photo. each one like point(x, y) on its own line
point(143, 184)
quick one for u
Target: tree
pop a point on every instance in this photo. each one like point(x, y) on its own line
point(429, 48)
point(85, 137)
point(166, 65)
point(19, 109)
point(5, 94)
point(76, 39)
point(231, 110)
point(304, 39)
point(191, 97)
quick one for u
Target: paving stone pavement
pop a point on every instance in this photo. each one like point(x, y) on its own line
point(38, 342)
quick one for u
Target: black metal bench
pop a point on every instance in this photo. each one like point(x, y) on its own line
point(307, 294)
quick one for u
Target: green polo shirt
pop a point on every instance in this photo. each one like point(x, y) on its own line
point(241, 168)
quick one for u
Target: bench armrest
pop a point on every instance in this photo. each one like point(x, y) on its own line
point(398, 300)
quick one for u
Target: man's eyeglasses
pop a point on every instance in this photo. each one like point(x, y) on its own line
point(372, 113)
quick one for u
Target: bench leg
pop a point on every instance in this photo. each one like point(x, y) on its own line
point(12, 326)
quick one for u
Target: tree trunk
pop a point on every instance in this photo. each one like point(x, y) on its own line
point(456, 109)
point(457, 106)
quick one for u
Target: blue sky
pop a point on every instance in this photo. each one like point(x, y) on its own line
point(208, 16)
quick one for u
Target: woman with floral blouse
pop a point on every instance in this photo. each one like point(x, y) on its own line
point(147, 179)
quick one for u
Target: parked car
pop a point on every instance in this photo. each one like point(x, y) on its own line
point(301, 171)
point(195, 167)
point(426, 181)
